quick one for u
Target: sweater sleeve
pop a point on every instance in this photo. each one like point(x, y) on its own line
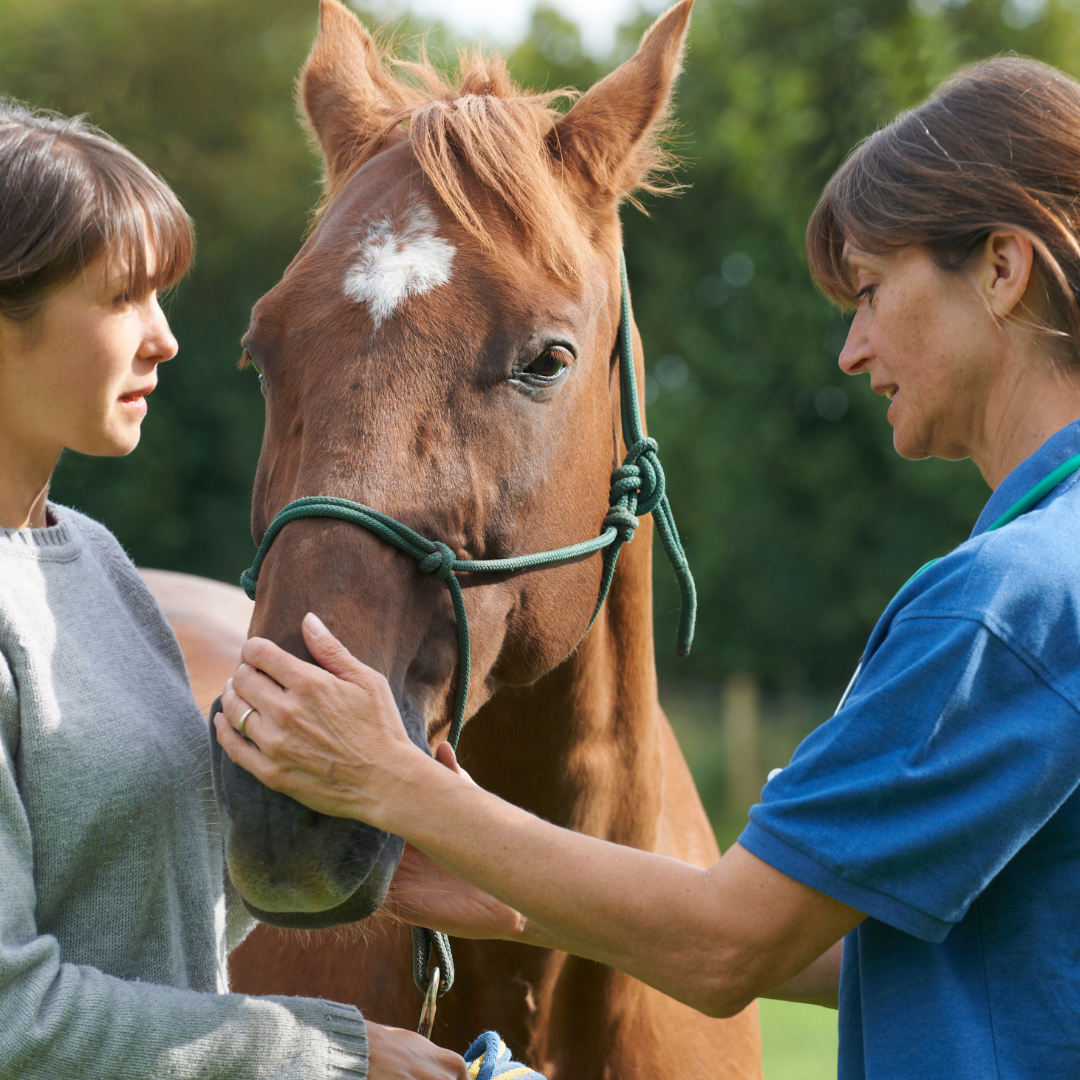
point(59, 1019)
point(239, 922)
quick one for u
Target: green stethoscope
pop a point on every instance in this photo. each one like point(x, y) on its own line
point(1021, 506)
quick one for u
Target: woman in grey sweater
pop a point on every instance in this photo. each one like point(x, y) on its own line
point(115, 920)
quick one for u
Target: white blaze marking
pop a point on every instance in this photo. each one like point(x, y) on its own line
point(398, 259)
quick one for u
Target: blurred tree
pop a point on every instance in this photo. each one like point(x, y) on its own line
point(800, 519)
point(552, 55)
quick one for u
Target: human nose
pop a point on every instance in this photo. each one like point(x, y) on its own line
point(856, 350)
point(158, 344)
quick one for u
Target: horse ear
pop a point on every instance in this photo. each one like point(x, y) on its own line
point(609, 138)
point(345, 96)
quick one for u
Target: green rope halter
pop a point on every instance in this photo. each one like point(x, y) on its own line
point(637, 487)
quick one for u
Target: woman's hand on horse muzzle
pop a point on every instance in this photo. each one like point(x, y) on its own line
point(328, 734)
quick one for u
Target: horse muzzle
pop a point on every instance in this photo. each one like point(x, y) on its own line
point(295, 868)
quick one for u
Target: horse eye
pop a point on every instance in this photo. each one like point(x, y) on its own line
point(549, 364)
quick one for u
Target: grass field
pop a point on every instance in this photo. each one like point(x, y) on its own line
point(798, 1041)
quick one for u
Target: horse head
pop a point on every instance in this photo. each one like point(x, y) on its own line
point(442, 349)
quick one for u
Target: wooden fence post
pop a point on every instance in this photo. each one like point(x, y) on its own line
point(740, 710)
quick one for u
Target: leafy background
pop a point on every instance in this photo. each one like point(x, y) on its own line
point(799, 518)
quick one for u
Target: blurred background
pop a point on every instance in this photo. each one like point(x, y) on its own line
point(799, 519)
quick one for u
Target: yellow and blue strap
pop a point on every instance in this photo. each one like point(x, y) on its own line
point(489, 1059)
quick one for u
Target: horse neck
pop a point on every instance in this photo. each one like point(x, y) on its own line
point(581, 746)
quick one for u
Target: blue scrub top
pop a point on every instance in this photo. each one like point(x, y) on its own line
point(941, 800)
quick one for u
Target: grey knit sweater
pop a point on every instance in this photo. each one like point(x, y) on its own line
point(112, 907)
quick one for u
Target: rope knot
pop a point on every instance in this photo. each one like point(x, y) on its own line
point(440, 563)
point(623, 522)
point(640, 475)
point(249, 581)
point(645, 445)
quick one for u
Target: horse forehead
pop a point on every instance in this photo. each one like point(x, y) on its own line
point(397, 256)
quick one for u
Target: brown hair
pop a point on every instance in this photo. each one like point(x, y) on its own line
point(68, 193)
point(997, 146)
point(500, 131)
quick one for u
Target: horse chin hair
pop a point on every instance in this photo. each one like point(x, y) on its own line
point(297, 869)
point(363, 903)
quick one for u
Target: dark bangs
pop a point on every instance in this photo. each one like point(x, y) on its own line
point(841, 215)
point(134, 208)
point(894, 191)
point(68, 194)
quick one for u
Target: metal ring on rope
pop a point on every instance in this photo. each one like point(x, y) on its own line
point(637, 487)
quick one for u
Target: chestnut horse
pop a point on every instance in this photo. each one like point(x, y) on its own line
point(443, 348)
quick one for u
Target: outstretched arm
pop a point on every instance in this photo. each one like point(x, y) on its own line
point(425, 893)
point(714, 938)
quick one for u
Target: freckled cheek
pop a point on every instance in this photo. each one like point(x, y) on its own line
point(905, 343)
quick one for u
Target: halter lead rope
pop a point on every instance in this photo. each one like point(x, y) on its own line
point(637, 487)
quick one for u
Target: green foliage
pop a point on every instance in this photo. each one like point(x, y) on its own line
point(552, 55)
point(799, 527)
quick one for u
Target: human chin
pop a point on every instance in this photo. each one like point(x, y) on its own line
point(908, 440)
point(129, 440)
point(122, 436)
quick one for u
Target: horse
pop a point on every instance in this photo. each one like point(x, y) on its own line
point(210, 620)
point(443, 348)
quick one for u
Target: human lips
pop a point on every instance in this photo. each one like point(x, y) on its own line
point(890, 390)
point(135, 399)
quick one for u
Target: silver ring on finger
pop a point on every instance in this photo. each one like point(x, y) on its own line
point(240, 726)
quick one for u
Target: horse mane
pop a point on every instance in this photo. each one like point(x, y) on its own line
point(480, 119)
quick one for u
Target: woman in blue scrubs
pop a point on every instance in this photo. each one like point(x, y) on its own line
point(918, 862)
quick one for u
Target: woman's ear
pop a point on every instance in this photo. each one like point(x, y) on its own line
point(1003, 272)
